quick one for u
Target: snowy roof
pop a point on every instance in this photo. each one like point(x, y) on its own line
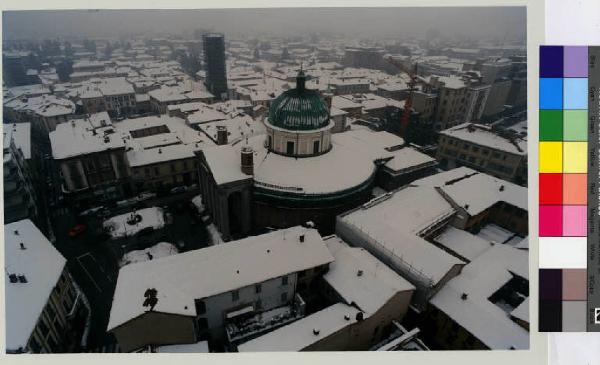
point(484, 136)
point(237, 128)
point(230, 266)
point(20, 133)
point(370, 290)
point(475, 191)
point(301, 334)
point(522, 311)
point(418, 209)
point(464, 243)
point(179, 140)
point(157, 251)
point(451, 82)
point(481, 278)
point(198, 347)
point(80, 137)
point(42, 265)
point(115, 86)
point(44, 105)
point(118, 226)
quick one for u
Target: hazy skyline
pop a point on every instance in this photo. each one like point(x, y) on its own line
point(508, 23)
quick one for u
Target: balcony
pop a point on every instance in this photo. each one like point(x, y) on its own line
point(242, 330)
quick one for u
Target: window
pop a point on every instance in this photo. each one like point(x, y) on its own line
point(172, 165)
point(235, 295)
point(258, 304)
point(50, 311)
point(257, 288)
point(290, 148)
point(316, 147)
point(284, 297)
point(284, 280)
point(200, 306)
point(156, 171)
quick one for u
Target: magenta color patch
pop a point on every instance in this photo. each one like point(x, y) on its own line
point(551, 220)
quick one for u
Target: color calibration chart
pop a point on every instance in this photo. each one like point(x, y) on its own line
point(569, 273)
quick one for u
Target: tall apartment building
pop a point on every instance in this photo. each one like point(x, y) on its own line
point(214, 63)
point(364, 57)
point(45, 309)
point(451, 103)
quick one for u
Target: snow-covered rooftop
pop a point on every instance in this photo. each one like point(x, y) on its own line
point(484, 136)
point(80, 137)
point(119, 226)
point(44, 105)
point(463, 243)
point(301, 334)
point(198, 347)
point(42, 265)
point(475, 191)
point(20, 133)
point(237, 128)
point(481, 278)
point(360, 278)
point(178, 279)
point(418, 209)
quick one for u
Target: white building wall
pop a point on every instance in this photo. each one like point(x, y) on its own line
point(270, 297)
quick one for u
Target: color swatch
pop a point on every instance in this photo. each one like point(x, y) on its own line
point(563, 187)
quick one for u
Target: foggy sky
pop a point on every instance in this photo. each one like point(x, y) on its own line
point(502, 22)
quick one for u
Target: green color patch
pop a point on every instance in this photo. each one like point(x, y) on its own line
point(575, 125)
point(551, 125)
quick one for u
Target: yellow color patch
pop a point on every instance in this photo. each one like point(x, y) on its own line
point(551, 157)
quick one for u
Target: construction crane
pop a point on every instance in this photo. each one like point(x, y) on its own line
point(412, 83)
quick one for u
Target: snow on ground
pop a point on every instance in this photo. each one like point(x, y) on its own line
point(119, 226)
point(161, 249)
point(494, 233)
point(215, 235)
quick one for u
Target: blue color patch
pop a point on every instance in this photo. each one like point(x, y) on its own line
point(551, 93)
point(575, 93)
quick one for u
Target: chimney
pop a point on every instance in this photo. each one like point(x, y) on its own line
point(247, 154)
point(22, 279)
point(221, 135)
point(464, 296)
point(22, 246)
point(359, 273)
point(301, 238)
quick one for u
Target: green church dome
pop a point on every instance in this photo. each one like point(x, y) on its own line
point(299, 108)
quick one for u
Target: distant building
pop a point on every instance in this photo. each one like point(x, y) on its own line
point(212, 292)
point(91, 157)
point(367, 57)
point(45, 309)
point(501, 153)
point(214, 60)
point(486, 307)
point(20, 198)
point(44, 112)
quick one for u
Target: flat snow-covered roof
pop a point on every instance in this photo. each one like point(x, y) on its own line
point(301, 334)
point(484, 136)
point(475, 191)
point(20, 133)
point(397, 219)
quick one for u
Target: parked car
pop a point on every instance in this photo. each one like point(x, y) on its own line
point(77, 230)
point(145, 196)
point(178, 189)
point(91, 211)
